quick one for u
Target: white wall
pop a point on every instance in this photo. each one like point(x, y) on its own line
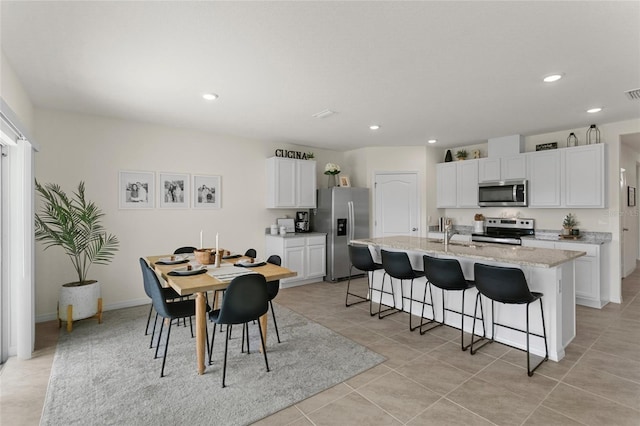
point(365, 162)
point(629, 161)
point(81, 147)
point(14, 95)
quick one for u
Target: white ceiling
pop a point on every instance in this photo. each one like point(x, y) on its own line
point(460, 72)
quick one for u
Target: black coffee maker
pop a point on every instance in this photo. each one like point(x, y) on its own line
point(302, 221)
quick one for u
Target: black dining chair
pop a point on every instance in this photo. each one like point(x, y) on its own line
point(509, 286)
point(447, 275)
point(167, 310)
point(273, 287)
point(251, 253)
point(245, 300)
point(361, 259)
point(184, 250)
point(167, 292)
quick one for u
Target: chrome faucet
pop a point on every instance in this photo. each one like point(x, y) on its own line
point(448, 233)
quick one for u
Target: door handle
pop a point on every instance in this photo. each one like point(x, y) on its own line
point(414, 229)
point(625, 229)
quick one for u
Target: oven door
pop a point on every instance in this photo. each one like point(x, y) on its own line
point(502, 194)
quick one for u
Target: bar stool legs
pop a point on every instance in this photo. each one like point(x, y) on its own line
point(389, 310)
point(528, 333)
point(433, 312)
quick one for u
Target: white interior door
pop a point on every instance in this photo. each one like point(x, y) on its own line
point(397, 204)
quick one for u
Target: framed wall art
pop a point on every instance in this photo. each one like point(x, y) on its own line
point(631, 196)
point(136, 190)
point(174, 190)
point(206, 192)
point(345, 181)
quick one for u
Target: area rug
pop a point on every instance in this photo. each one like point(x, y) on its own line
point(106, 375)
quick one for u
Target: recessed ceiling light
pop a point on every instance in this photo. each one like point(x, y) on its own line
point(210, 96)
point(432, 141)
point(374, 127)
point(594, 110)
point(551, 78)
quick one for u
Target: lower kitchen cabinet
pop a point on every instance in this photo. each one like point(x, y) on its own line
point(589, 273)
point(306, 254)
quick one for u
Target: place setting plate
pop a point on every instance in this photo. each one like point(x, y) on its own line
point(246, 263)
point(168, 261)
point(231, 256)
point(185, 271)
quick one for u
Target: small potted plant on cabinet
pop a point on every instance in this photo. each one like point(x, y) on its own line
point(568, 223)
point(461, 154)
point(74, 224)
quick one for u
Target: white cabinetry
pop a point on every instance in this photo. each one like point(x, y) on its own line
point(457, 184)
point(584, 176)
point(304, 254)
point(588, 271)
point(543, 171)
point(291, 183)
point(502, 168)
point(446, 182)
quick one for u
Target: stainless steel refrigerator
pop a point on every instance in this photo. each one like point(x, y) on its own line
point(343, 213)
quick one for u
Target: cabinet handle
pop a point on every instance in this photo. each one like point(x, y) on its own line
point(625, 229)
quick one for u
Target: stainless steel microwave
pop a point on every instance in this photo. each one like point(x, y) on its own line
point(503, 193)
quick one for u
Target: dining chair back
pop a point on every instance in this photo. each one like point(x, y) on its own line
point(245, 300)
point(185, 250)
point(168, 310)
point(251, 253)
point(273, 287)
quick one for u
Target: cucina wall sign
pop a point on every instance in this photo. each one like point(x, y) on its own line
point(298, 155)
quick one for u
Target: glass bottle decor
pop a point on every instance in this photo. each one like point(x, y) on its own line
point(572, 140)
point(593, 135)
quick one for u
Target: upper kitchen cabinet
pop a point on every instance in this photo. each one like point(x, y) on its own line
point(502, 168)
point(291, 183)
point(457, 184)
point(584, 183)
point(543, 172)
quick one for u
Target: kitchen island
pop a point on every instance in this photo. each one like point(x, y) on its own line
point(547, 271)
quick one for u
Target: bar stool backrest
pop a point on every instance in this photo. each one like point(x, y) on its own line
point(397, 264)
point(505, 285)
point(444, 273)
point(360, 258)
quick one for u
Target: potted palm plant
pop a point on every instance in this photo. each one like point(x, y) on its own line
point(74, 224)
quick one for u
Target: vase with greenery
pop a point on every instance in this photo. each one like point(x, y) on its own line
point(332, 170)
point(74, 224)
point(461, 154)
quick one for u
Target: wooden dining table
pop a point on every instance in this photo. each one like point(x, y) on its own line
point(202, 283)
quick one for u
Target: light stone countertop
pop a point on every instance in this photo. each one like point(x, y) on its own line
point(297, 234)
point(518, 255)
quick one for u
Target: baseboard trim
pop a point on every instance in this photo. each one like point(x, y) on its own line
point(110, 307)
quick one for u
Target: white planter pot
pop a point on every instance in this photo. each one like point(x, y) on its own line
point(84, 301)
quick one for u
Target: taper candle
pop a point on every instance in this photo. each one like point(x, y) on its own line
point(201, 238)
point(217, 246)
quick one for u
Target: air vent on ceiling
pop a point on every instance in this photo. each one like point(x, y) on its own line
point(323, 114)
point(633, 95)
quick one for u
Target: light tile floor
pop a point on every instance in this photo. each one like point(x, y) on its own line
point(427, 380)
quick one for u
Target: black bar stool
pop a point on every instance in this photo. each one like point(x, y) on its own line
point(396, 264)
point(361, 259)
point(446, 274)
point(507, 285)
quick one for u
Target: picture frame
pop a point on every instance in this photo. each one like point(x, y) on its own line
point(136, 189)
point(207, 192)
point(545, 146)
point(631, 196)
point(345, 181)
point(174, 190)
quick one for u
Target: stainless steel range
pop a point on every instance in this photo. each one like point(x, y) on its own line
point(505, 231)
